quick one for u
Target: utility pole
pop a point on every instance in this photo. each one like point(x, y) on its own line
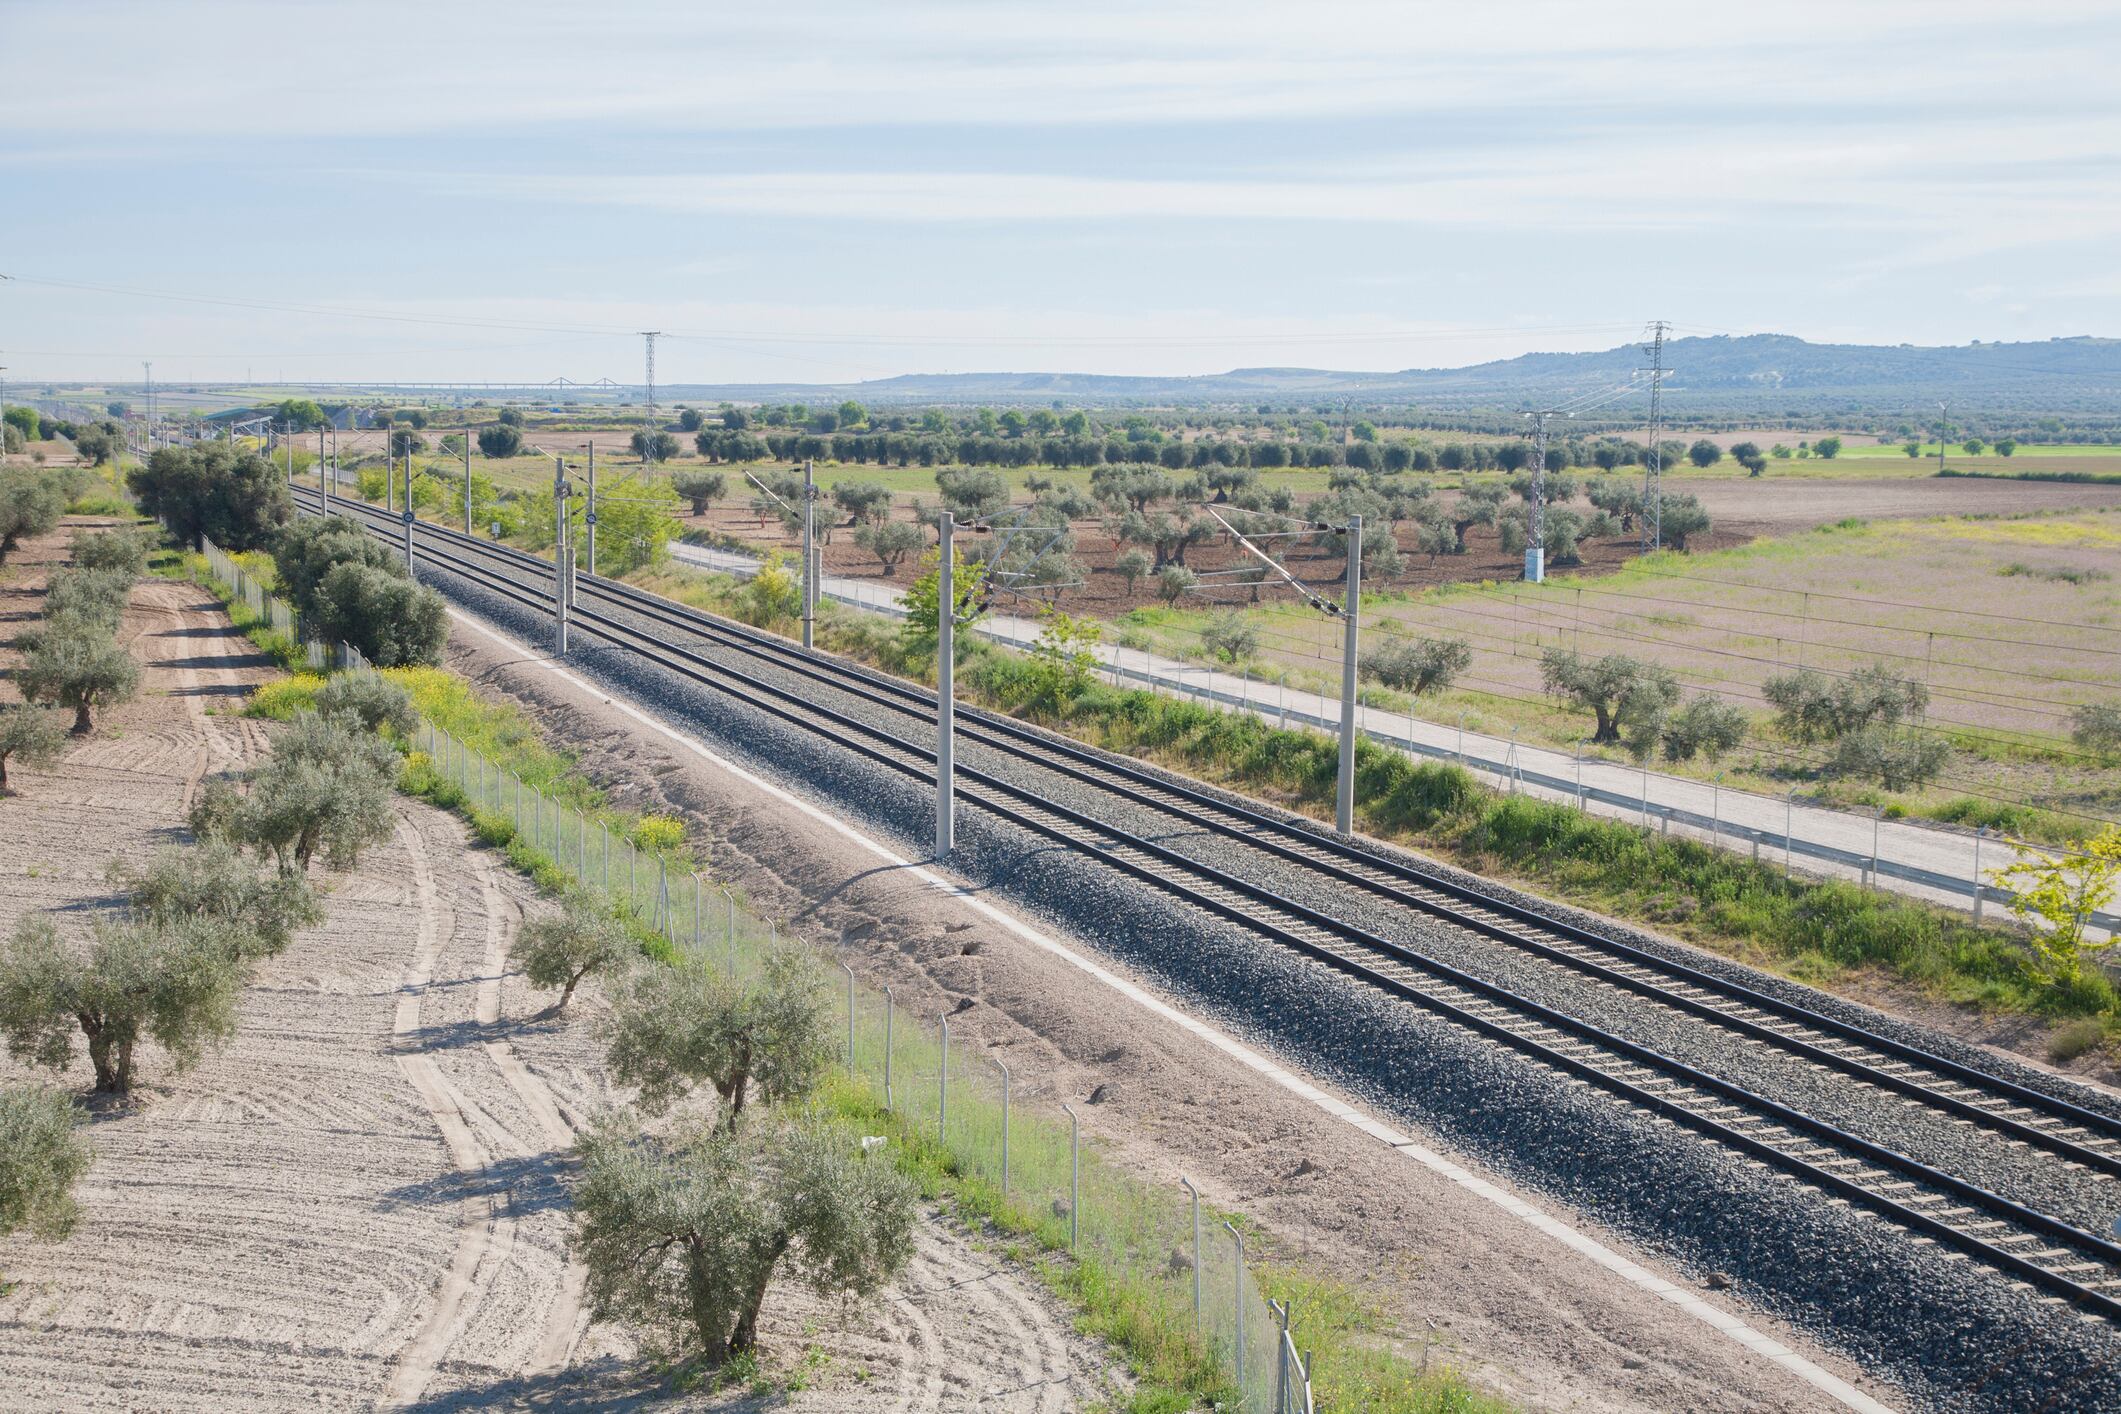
point(809, 540)
point(945, 708)
point(147, 393)
point(1351, 613)
point(467, 482)
point(1653, 455)
point(1535, 549)
point(562, 560)
point(589, 519)
point(1944, 413)
point(408, 510)
point(323, 488)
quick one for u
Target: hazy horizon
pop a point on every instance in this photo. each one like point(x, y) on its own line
point(833, 193)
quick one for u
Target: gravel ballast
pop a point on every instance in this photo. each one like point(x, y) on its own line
point(1953, 1333)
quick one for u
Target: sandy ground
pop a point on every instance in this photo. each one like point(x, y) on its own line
point(1519, 1313)
point(359, 1202)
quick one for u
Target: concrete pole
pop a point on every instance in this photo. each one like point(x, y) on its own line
point(809, 560)
point(1535, 550)
point(559, 555)
point(467, 483)
point(945, 705)
point(590, 519)
point(1351, 612)
point(323, 486)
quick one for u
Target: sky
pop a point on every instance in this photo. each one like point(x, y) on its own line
point(820, 192)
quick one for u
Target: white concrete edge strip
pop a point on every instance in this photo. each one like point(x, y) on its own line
point(1627, 1269)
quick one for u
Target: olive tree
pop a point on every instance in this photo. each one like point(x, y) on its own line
point(681, 1237)
point(123, 548)
point(1898, 758)
point(212, 880)
point(1173, 582)
point(1623, 694)
point(174, 982)
point(1417, 665)
point(1704, 727)
point(30, 504)
point(702, 488)
point(78, 665)
point(1131, 564)
point(1811, 706)
point(392, 620)
point(41, 1156)
point(27, 735)
point(676, 1026)
point(2095, 726)
point(560, 949)
point(95, 597)
point(313, 547)
point(376, 702)
point(1229, 637)
point(232, 495)
point(891, 542)
point(324, 790)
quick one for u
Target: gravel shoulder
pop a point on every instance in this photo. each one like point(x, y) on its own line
point(1522, 1315)
point(359, 1202)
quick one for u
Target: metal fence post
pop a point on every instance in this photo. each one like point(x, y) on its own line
point(942, 1109)
point(850, 1014)
point(1281, 1360)
point(1005, 1128)
point(1239, 1308)
point(888, 1008)
point(1075, 1175)
point(1188, 1184)
point(696, 928)
point(1789, 838)
point(731, 938)
point(1979, 835)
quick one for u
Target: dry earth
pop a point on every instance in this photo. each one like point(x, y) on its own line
point(359, 1202)
point(1522, 1315)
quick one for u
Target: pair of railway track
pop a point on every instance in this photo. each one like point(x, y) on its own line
point(2062, 1260)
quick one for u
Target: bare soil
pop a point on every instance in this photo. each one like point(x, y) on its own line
point(360, 1201)
point(1518, 1313)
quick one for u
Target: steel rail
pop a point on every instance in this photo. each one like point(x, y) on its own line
point(1239, 901)
point(1325, 853)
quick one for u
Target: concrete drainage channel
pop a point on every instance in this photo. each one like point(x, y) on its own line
point(1954, 1333)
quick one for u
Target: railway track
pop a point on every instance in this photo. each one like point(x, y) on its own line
point(2065, 1262)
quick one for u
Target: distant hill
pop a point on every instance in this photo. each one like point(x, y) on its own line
point(1748, 371)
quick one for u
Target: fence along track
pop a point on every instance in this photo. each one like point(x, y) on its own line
point(2043, 1251)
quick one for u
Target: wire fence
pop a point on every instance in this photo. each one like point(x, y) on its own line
point(1016, 1137)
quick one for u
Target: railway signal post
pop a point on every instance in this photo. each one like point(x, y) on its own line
point(589, 519)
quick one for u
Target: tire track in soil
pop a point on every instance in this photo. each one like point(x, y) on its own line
point(563, 1322)
point(494, 1235)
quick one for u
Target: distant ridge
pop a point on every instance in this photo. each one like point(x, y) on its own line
point(1725, 370)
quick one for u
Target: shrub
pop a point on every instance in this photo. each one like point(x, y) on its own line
point(560, 949)
point(2095, 726)
point(90, 596)
point(1417, 665)
point(658, 832)
point(681, 1237)
point(79, 666)
point(313, 547)
point(2058, 894)
point(211, 881)
point(280, 699)
point(123, 550)
point(1679, 517)
point(1173, 582)
point(1230, 637)
point(393, 621)
point(676, 1026)
point(376, 702)
point(1704, 727)
point(502, 440)
point(232, 495)
point(1897, 758)
point(29, 736)
point(41, 1156)
point(174, 982)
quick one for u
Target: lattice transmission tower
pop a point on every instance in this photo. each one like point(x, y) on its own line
point(648, 427)
point(1653, 455)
